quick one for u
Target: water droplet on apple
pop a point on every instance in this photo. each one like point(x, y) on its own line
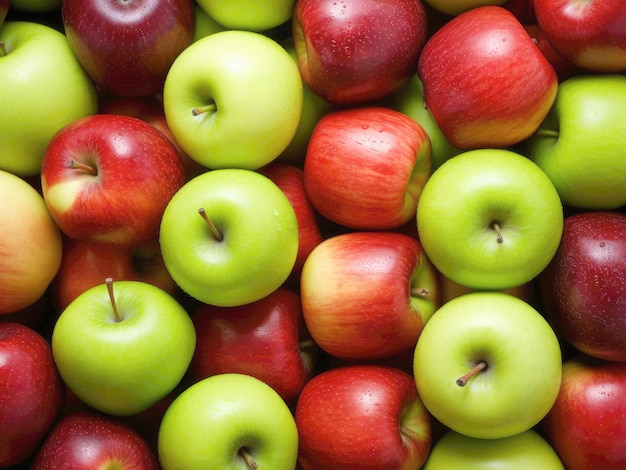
point(348, 51)
point(365, 126)
point(602, 244)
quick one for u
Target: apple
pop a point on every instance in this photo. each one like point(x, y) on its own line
point(39, 74)
point(31, 392)
point(522, 451)
point(205, 25)
point(85, 440)
point(85, 264)
point(584, 287)
point(229, 237)
point(527, 292)
point(365, 167)
point(107, 178)
point(233, 99)
point(357, 51)
point(36, 6)
point(591, 35)
point(367, 295)
point(4, 9)
point(260, 339)
point(122, 346)
point(488, 365)
point(489, 219)
point(30, 248)
point(456, 7)
point(564, 68)
point(228, 421)
point(523, 10)
point(485, 81)
point(586, 426)
point(588, 118)
point(250, 15)
point(127, 47)
point(362, 416)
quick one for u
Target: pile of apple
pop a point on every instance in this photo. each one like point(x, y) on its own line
point(313, 234)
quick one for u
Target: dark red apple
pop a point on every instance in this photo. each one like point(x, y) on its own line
point(355, 51)
point(583, 289)
point(523, 10)
point(4, 9)
point(127, 47)
point(586, 425)
point(31, 392)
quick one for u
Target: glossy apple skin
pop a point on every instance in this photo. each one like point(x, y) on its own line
point(128, 47)
point(362, 417)
point(31, 392)
point(591, 35)
point(138, 172)
point(356, 51)
point(485, 82)
point(356, 294)
point(260, 339)
point(586, 426)
point(564, 68)
point(583, 289)
point(85, 440)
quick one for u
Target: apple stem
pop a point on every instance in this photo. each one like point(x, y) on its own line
point(3, 49)
point(420, 292)
point(462, 381)
point(209, 108)
point(547, 133)
point(496, 227)
point(248, 458)
point(214, 231)
point(109, 283)
point(82, 166)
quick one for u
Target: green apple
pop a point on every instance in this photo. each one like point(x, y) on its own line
point(489, 219)
point(488, 365)
point(205, 25)
point(251, 15)
point(44, 88)
point(122, 346)
point(456, 7)
point(36, 6)
point(523, 451)
point(233, 99)
point(580, 145)
point(240, 247)
point(228, 422)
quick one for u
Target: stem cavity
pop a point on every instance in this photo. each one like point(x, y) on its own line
point(82, 166)
point(217, 235)
point(252, 464)
point(496, 227)
point(209, 108)
point(480, 366)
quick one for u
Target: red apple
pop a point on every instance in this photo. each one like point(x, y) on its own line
point(367, 295)
point(362, 417)
point(85, 441)
point(485, 81)
point(523, 10)
point(31, 392)
point(586, 425)
point(88, 264)
point(583, 289)
point(356, 51)
point(261, 339)
point(4, 9)
point(127, 47)
point(107, 178)
point(290, 179)
point(590, 34)
point(564, 68)
point(365, 167)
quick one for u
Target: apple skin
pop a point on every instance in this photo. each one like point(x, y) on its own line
point(125, 152)
point(250, 15)
point(212, 422)
point(388, 319)
point(4, 9)
point(128, 47)
point(583, 289)
point(357, 51)
point(31, 392)
point(564, 68)
point(523, 365)
point(523, 10)
point(456, 7)
point(30, 246)
point(585, 426)
point(85, 440)
point(591, 35)
point(362, 417)
point(485, 82)
point(464, 199)
point(365, 167)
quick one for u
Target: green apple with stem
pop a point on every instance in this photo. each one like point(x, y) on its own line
point(488, 365)
point(233, 99)
point(229, 237)
point(122, 346)
point(231, 422)
point(580, 144)
point(250, 15)
point(44, 88)
point(489, 219)
point(521, 451)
